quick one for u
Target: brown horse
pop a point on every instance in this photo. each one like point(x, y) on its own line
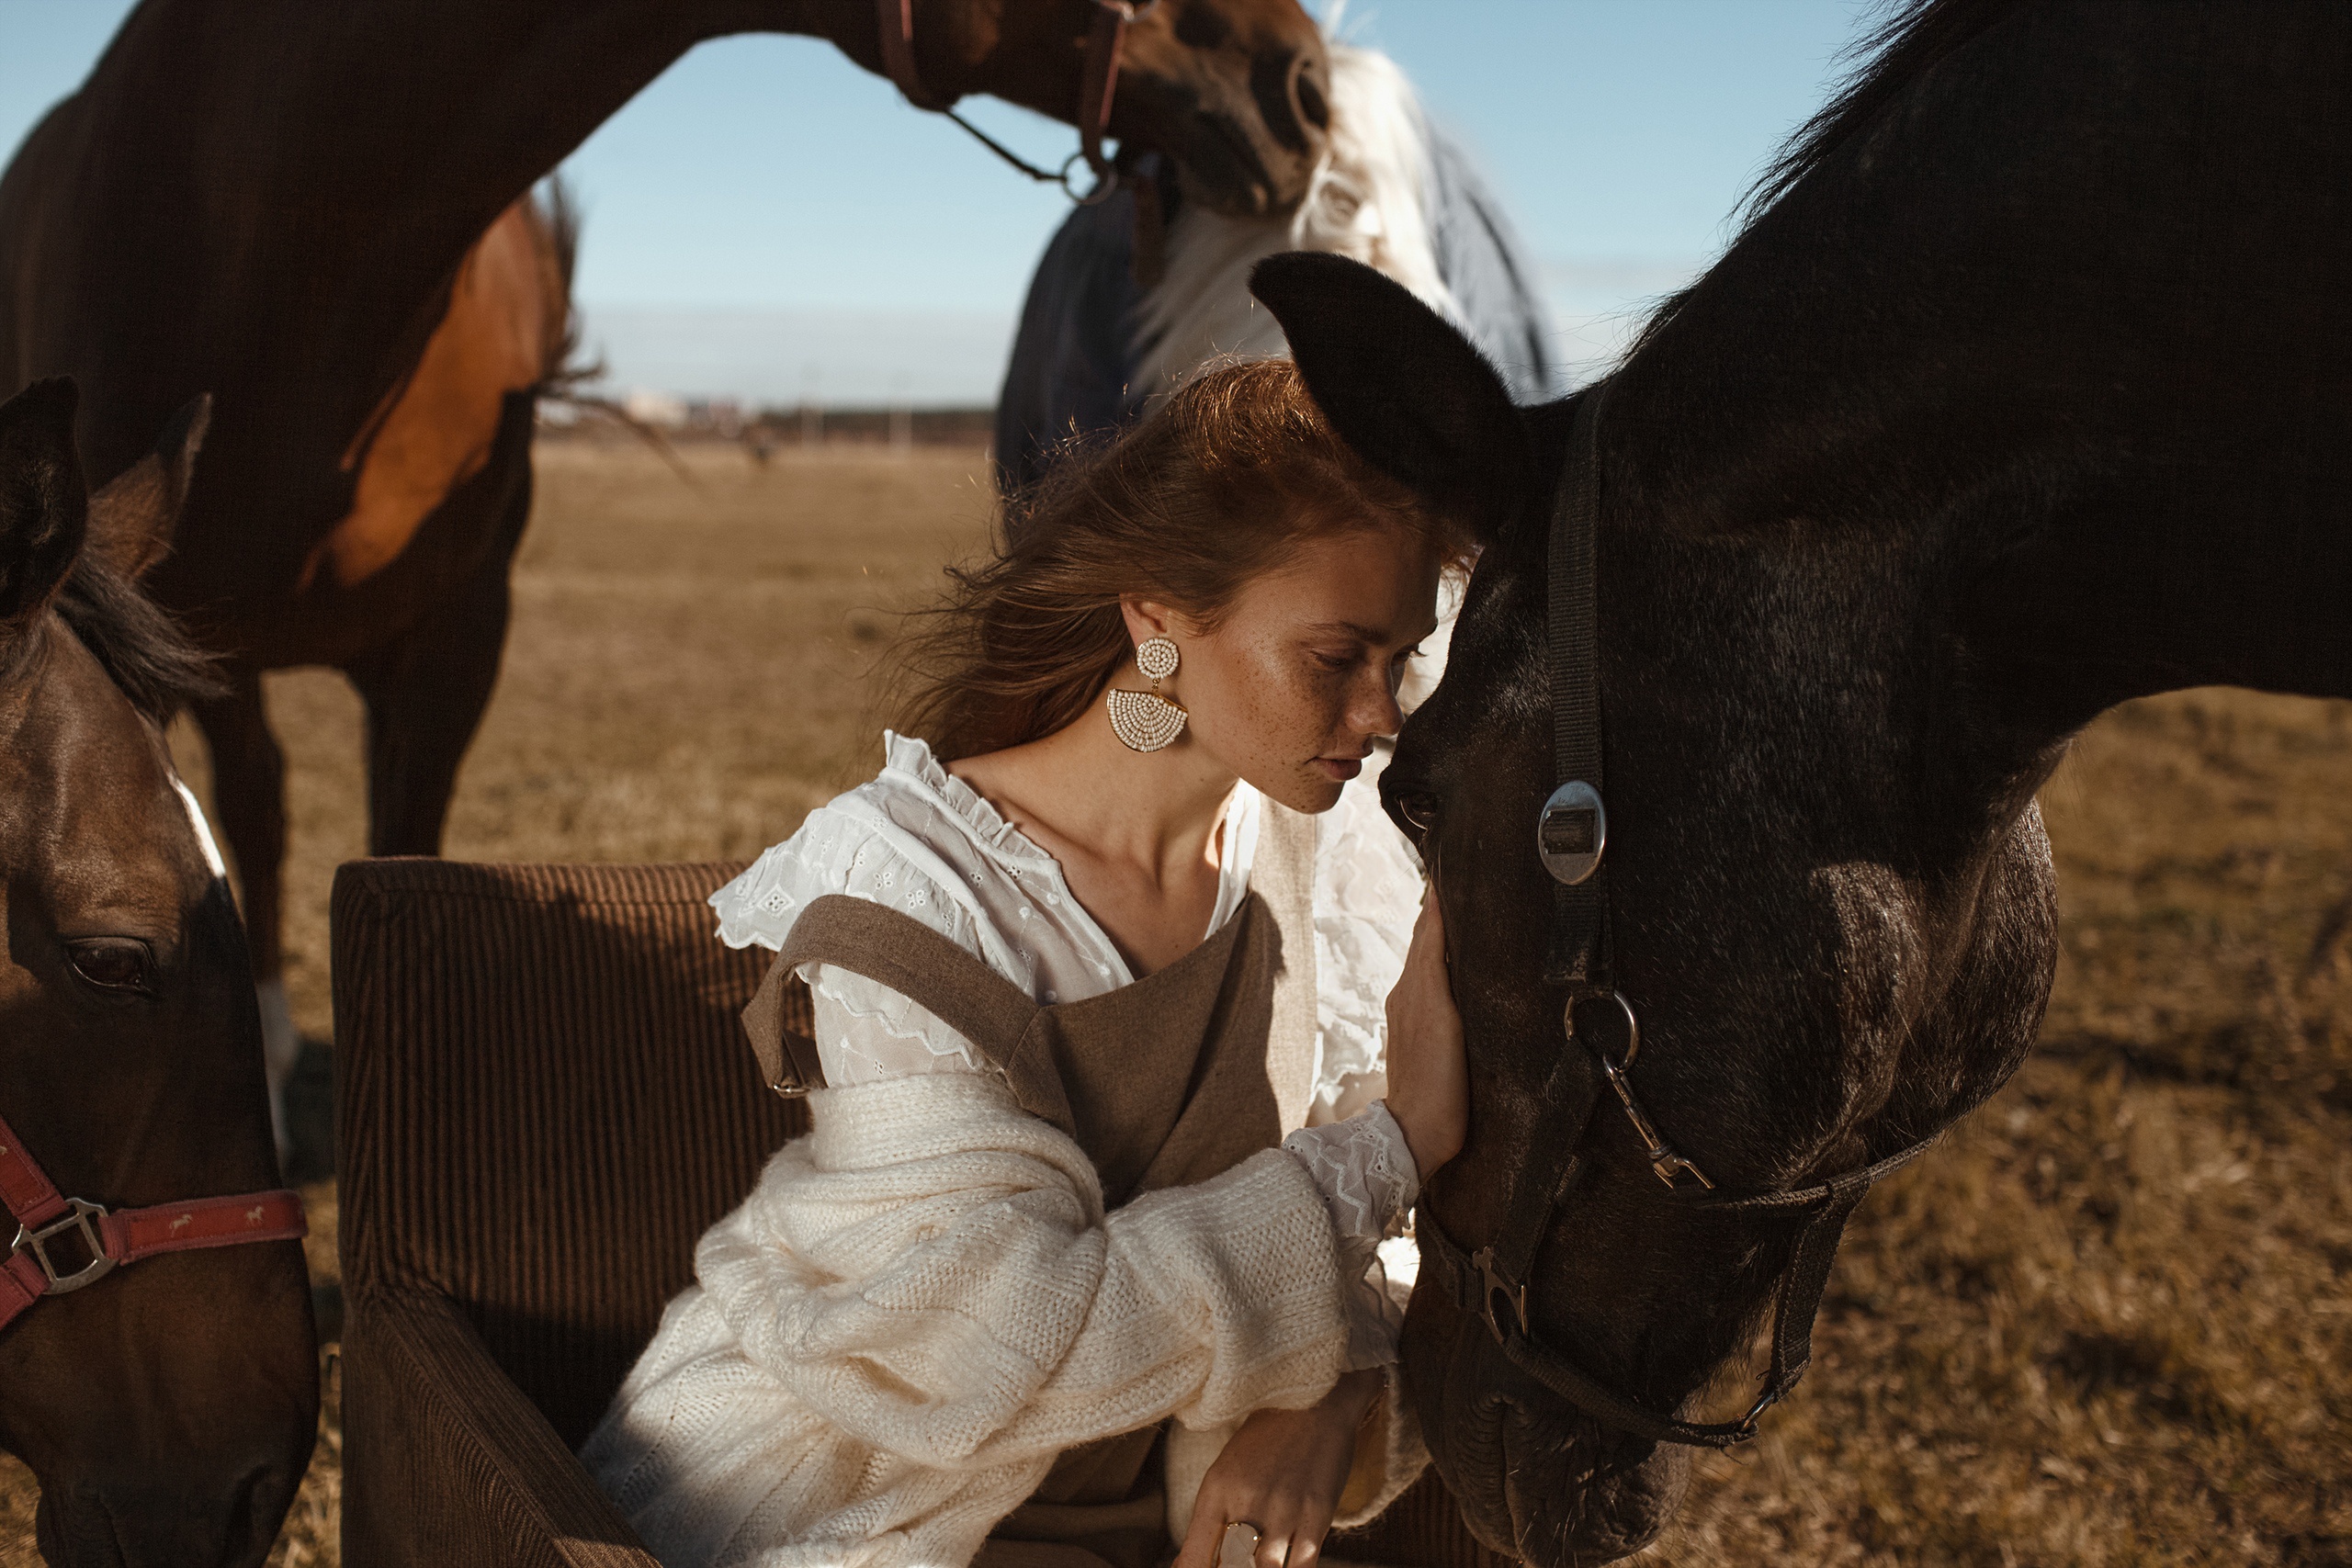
point(167, 1408)
point(318, 214)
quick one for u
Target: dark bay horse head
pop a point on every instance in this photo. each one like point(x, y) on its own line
point(2021, 394)
point(1236, 91)
point(168, 1409)
point(1833, 951)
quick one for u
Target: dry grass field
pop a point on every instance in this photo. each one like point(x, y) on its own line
point(2107, 1323)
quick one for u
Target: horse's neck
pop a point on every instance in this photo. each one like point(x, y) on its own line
point(2069, 319)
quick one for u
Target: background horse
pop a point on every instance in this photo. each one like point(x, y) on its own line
point(1105, 328)
point(2023, 393)
point(317, 214)
point(168, 1408)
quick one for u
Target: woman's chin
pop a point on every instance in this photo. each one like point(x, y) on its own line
point(1310, 789)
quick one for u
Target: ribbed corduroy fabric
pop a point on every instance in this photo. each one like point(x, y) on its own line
point(545, 1098)
point(1423, 1528)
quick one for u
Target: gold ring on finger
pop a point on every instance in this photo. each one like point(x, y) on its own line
point(1238, 1548)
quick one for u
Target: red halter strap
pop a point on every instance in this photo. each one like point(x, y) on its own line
point(110, 1239)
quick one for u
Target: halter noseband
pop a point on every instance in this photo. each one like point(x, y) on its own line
point(1097, 87)
point(1572, 836)
point(108, 1239)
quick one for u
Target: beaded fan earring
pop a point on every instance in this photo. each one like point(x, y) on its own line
point(1145, 721)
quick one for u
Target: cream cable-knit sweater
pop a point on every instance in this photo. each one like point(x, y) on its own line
point(924, 1301)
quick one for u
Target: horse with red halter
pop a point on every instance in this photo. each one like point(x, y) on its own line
point(2023, 392)
point(156, 1372)
point(317, 214)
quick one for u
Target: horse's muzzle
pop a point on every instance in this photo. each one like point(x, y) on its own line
point(1536, 1478)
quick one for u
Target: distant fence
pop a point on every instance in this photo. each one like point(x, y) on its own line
point(770, 430)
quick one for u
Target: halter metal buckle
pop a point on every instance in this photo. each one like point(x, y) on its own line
point(81, 1215)
point(1491, 1284)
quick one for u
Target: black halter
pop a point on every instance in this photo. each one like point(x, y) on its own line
point(1572, 835)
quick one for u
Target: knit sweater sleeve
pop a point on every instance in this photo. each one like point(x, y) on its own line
point(932, 1271)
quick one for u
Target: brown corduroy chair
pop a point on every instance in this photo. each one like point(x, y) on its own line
point(545, 1098)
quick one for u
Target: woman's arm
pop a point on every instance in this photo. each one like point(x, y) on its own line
point(1284, 1470)
point(1429, 1073)
point(931, 1270)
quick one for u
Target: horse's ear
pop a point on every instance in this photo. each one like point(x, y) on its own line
point(1401, 385)
point(132, 517)
point(43, 506)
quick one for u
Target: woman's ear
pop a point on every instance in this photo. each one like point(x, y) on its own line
point(1146, 619)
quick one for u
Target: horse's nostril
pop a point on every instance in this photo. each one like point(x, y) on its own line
point(1306, 94)
point(1274, 82)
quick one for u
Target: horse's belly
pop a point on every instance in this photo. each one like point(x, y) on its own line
point(440, 430)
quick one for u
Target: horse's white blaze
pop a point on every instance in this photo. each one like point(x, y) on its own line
point(203, 829)
point(1369, 199)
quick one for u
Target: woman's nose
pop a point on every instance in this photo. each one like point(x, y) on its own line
point(1376, 712)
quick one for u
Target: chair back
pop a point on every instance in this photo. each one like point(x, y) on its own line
point(547, 1099)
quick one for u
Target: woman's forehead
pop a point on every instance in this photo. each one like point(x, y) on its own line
point(1377, 585)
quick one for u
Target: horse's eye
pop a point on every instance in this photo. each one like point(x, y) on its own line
point(1416, 814)
point(112, 963)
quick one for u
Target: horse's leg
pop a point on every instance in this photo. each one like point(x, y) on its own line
point(427, 690)
point(249, 797)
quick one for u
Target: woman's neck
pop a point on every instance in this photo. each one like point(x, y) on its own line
point(1137, 834)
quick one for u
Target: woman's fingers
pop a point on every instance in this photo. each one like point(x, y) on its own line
point(1306, 1539)
point(1205, 1534)
point(1279, 1519)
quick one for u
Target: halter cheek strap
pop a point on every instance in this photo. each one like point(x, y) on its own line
point(1098, 88)
point(48, 1222)
point(1572, 835)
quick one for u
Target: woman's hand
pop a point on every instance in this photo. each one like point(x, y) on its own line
point(1428, 1076)
point(1283, 1473)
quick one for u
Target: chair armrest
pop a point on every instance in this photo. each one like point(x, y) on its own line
point(446, 1464)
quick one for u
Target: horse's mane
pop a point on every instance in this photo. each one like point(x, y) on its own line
point(1369, 199)
point(1905, 45)
point(140, 647)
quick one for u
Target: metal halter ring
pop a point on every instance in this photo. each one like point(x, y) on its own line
point(81, 1215)
point(1664, 1161)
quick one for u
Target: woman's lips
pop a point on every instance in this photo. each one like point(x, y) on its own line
point(1339, 767)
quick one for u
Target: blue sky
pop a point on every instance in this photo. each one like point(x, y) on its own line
point(768, 220)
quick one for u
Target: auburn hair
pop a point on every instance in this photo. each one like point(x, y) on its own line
point(1218, 483)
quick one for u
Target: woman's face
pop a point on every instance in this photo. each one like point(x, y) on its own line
point(1292, 687)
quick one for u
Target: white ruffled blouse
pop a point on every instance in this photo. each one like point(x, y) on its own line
point(922, 841)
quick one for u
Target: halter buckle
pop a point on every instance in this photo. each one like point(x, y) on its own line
point(1571, 833)
point(1491, 1283)
point(82, 1216)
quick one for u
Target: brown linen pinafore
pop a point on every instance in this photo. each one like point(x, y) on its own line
point(1166, 1082)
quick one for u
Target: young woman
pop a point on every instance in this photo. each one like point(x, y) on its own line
point(1077, 1265)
